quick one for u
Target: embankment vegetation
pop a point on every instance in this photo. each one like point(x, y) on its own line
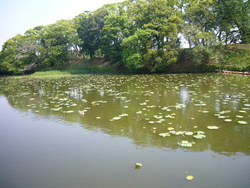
point(138, 36)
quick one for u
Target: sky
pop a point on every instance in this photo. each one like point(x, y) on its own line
point(17, 16)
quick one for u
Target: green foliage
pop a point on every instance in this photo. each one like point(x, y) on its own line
point(89, 29)
point(233, 20)
point(139, 35)
point(114, 31)
point(12, 57)
point(200, 23)
point(39, 48)
point(134, 62)
point(154, 39)
point(57, 42)
point(235, 57)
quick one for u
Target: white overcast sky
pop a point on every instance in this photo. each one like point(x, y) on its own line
point(17, 16)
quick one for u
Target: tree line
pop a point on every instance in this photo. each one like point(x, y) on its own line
point(133, 34)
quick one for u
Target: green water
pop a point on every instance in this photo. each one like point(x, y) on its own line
point(89, 131)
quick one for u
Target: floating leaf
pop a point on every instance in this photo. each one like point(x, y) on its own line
point(202, 104)
point(242, 111)
point(115, 118)
point(56, 109)
point(190, 177)
point(199, 132)
point(242, 122)
point(164, 134)
point(205, 112)
point(68, 112)
point(170, 128)
point(189, 133)
point(172, 132)
point(123, 115)
point(179, 133)
point(212, 127)
point(185, 143)
point(138, 165)
point(199, 136)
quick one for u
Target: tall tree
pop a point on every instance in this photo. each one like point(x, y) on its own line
point(114, 31)
point(154, 43)
point(233, 20)
point(12, 59)
point(89, 29)
point(58, 41)
point(200, 23)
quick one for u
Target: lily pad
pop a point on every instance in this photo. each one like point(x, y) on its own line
point(242, 122)
point(164, 134)
point(115, 118)
point(170, 128)
point(189, 133)
point(172, 132)
point(199, 136)
point(199, 132)
point(242, 111)
point(212, 127)
point(221, 117)
point(68, 112)
point(205, 111)
point(185, 143)
point(179, 133)
point(138, 165)
point(190, 177)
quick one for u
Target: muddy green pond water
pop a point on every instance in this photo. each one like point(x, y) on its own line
point(88, 131)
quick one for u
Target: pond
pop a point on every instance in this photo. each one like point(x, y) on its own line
point(90, 130)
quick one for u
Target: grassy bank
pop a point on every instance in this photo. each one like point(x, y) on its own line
point(48, 74)
point(91, 70)
point(73, 71)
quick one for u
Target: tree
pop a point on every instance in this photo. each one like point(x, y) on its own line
point(115, 29)
point(154, 44)
point(89, 29)
point(200, 23)
point(12, 58)
point(59, 41)
point(233, 20)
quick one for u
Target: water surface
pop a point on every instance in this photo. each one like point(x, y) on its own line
point(88, 131)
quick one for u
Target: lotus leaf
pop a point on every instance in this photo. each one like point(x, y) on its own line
point(190, 177)
point(242, 122)
point(212, 127)
point(138, 165)
point(164, 134)
point(185, 143)
point(189, 133)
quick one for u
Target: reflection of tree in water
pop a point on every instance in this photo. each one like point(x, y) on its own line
point(143, 98)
